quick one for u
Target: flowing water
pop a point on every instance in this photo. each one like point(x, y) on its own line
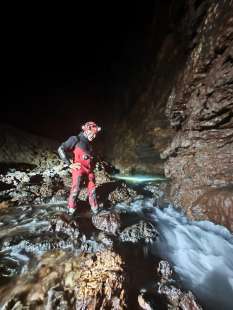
point(24, 236)
point(200, 252)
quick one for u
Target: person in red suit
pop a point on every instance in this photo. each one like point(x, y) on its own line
point(81, 164)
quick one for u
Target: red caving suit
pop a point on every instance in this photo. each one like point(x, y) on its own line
point(82, 153)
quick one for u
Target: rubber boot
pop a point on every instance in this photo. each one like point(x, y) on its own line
point(93, 201)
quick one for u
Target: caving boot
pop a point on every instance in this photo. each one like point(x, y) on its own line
point(71, 211)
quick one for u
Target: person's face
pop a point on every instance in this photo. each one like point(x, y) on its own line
point(90, 134)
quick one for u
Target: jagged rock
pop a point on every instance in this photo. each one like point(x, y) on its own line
point(188, 302)
point(175, 297)
point(122, 194)
point(36, 186)
point(199, 159)
point(42, 185)
point(143, 303)
point(15, 178)
point(179, 300)
point(140, 232)
point(104, 239)
point(215, 204)
point(67, 226)
point(155, 190)
point(168, 295)
point(107, 221)
point(101, 176)
point(164, 269)
point(86, 281)
point(93, 246)
point(30, 149)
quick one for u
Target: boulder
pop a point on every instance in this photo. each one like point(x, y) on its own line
point(64, 281)
point(140, 232)
point(107, 221)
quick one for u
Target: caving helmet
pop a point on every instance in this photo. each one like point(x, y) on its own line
point(90, 130)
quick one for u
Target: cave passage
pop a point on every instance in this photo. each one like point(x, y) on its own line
point(157, 78)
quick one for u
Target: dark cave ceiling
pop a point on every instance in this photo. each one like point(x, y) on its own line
point(59, 70)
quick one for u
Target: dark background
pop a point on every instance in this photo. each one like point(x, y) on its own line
point(62, 66)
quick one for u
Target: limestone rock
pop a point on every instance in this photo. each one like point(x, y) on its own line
point(30, 149)
point(164, 269)
point(199, 158)
point(176, 298)
point(216, 204)
point(143, 303)
point(122, 194)
point(86, 281)
point(107, 221)
point(140, 232)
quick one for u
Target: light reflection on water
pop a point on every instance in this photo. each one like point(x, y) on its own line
point(24, 237)
point(201, 253)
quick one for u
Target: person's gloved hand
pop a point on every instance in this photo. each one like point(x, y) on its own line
point(75, 166)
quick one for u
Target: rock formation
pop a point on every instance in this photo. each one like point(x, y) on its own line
point(63, 281)
point(200, 107)
point(21, 148)
point(183, 112)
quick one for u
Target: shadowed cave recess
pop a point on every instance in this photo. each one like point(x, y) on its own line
point(157, 77)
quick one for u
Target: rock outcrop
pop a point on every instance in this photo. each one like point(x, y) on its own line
point(200, 107)
point(19, 147)
point(51, 184)
point(143, 232)
point(171, 297)
point(183, 110)
point(176, 298)
point(107, 221)
point(63, 281)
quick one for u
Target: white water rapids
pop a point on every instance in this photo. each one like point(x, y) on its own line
point(200, 252)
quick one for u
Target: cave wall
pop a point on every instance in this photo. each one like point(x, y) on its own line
point(144, 132)
point(18, 147)
point(200, 107)
point(181, 122)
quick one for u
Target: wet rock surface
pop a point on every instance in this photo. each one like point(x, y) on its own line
point(35, 186)
point(167, 293)
point(200, 108)
point(50, 259)
point(140, 232)
point(176, 298)
point(48, 185)
point(107, 221)
point(63, 281)
point(62, 261)
point(195, 143)
point(180, 112)
point(215, 204)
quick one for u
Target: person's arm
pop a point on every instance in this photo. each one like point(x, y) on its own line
point(67, 147)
